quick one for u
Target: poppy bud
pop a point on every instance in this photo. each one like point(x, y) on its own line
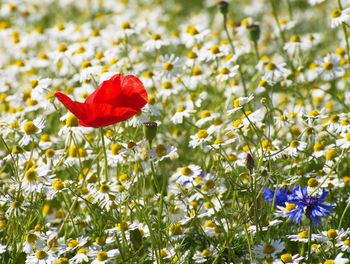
point(150, 130)
point(249, 161)
point(223, 6)
point(254, 32)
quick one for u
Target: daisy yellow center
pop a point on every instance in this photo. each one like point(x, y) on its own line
point(29, 128)
point(16, 204)
point(31, 238)
point(155, 37)
point(346, 242)
point(217, 121)
point(331, 154)
point(180, 109)
point(62, 47)
point(314, 113)
point(186, 171)
point(125, 25)
point(332, 233)
point(30, 175)
point(287, 258)
point(345, 122)
point(115, 148)
point(312, 182)
point(161, 150)
point(329, 261)
point(123, 226)
point(167, 85)
point(290, 207)
point(104, 188)
point(71, 121)
point(86, 64)
point(328, 65)
point(271, 66)
point(192, 30)
point(295, 38)
point(336, 13)
point(196, 71)
point(214, 49)
point(192, 55)
point(347, 136)
point(102, 256)
point(303, 234)
point(209, 224)
point(168, 66)
point(202, 134)
point(268, 249)
point(205, 113)
point(236, 103)
point(334, 118)
point(41, 254)
point(224, 70)
point(218, 141)
point(175, 229)
point(49, 153)
point(262, 83)
point(58, 184)
point(294, 144)
point(82, 251)
point(34, 83)
point(206, 253)
point(163, 253)
point(209, 184)
point(346, 179)
point(73, 243)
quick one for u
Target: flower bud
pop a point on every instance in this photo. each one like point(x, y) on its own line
point(150, 130)
point(254, 32)
point(223, 6)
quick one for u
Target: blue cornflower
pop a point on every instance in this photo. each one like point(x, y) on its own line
point(313, 207)
point(281, 196)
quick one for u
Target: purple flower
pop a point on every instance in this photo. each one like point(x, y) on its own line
point(281, 196)
point(313, 207)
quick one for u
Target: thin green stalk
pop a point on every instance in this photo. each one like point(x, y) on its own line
point(104, 153)
point(309, 243)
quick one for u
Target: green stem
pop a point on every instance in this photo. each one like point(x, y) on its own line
point(104, 153)
point(309, 243)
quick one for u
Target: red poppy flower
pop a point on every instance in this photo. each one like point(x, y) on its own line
point(114, 100)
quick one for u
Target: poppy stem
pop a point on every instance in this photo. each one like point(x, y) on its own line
point(104, 153)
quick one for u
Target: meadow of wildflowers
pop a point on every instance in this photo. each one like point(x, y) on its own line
point(172, 131)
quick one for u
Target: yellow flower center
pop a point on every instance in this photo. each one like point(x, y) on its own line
point(224, 71)
point(16, 204)
point(167, 85)
point(192, 55)
point(328, 65)
point(180, 109)
point(125, 25)
point(102, 256)
point(82, 251)
point(41, 254)
point(31, 238)
point(332, 233)
point(86, 64)
point(218, 141)
point(186, 171)
point(155, 37)
point(58, 184)
point(191, 30)
point(331, 154)
point(104, 188)
point(312, 182)
point(175, 229)
point(329, 261)
point(294, 38)
point(287, 258)
point(304, 234)
point(294, 143)
point(346, 242)
point(161, 150)
point(205, 113)
point(209, 224)
point(115, 148)
point(72, 121)
point(202, 134)
point(334, 118)
point(268, 249)
point(336, 13)
point(346, 179)
point(30, 175)
point(290, 207)
point(168, 66)
point(73, 243)
point(62, 47)
point(163, 253)
point(271, 66)
point(314, 113)
point(34, 83)
point(214, 49)
point(347, 136)
point(123, 226)
point(49, 153)
point(206, 253)
point(29, 128)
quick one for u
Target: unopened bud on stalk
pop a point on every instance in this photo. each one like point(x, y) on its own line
point(150, 130)
point(254, 32)
point(249, 161)
point(223, 6)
